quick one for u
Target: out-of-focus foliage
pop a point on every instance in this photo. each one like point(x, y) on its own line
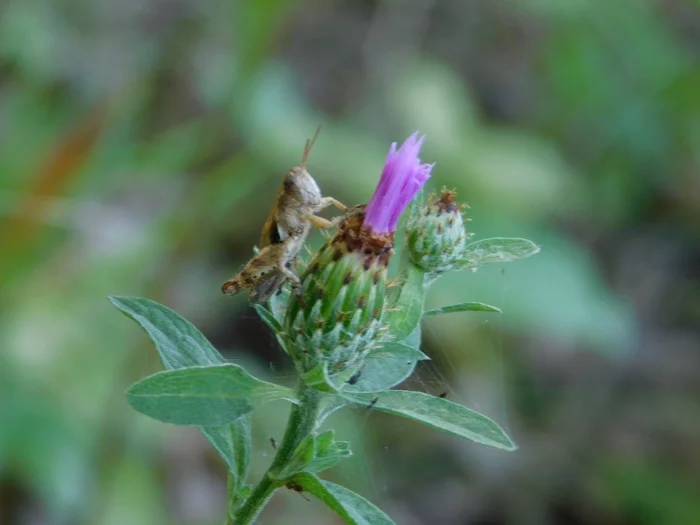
point(140, 142)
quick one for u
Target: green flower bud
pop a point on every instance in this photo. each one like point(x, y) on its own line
point(435, 235)
point(336, 316)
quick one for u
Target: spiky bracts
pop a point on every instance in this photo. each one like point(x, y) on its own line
point(336, 318)
point(436, 235)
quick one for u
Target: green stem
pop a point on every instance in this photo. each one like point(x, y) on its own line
point(301, 423)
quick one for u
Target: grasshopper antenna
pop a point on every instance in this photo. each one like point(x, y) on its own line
point(309, 145)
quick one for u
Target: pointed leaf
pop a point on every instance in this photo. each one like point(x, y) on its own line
point(314, 454)
point(409, 305)
point(353, 508)
point(462, 307)
point(268, 318)
point(330, 404)
point(318, 378)
point(272, 323)
point(178, 342)
point(439, 413)
point(328, 452)
point(497, 250)
point(338, 451)
point(400, 351)
point(302, 456)
point(324, 441)
point(203, 396)
point(382, 371)
point(237, 493)
point(306, 451)
point(415, 338)
point(278, 305)
point(233, 443)
point(179, 345)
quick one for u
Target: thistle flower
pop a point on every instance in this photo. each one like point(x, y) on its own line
point(435, 235)
point(337, 316)
point(402, 178)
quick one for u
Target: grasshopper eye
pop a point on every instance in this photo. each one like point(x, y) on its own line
point(289, 182)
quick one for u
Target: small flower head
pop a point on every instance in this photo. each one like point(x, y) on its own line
point(337, 316)
point(402, 178)
point(435, 235)
point(338, 312)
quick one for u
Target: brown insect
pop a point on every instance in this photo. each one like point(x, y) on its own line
point(285, 231)
point(293, 485)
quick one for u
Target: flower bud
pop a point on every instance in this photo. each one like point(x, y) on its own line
point(337, 314)
point(435, 235)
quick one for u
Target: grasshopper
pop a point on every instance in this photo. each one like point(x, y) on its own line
point(284, 233)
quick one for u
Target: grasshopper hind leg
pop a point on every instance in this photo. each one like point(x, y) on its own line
point(261, 267)
point(264, 274)
point(266, 288)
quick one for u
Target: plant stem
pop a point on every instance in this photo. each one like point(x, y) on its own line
point(301, 423)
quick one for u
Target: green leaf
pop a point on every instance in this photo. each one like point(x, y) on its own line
point(462, 307)
point(330, 457)
point(342, 445)
point(237, 493)
point(383, 370)
point(328, 405)
point(278, 305)
point(318, 378)
point(497, 250)
point(301, 457)
point(324, 441)
point(272, 323)
point(179, 345)
point(409, 305)
point(381, 374)
point(233, 443)
point(314, 454)
point(439, 413)
point(353, 508)
point(399, 351)
point(306, 451)
point(328, 452)
point(178, 342)
point(268, 318)
point(414, 339)
point(203, 396)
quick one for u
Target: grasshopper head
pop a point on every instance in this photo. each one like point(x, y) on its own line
point(300, 185)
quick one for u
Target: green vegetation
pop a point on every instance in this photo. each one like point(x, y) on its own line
point(139, 152)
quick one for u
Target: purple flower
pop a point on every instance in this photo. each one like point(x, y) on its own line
point(402, 178)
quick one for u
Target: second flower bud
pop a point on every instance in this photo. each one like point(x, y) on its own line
point(436, 235)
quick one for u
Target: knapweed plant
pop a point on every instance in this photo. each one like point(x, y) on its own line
point(352, 334)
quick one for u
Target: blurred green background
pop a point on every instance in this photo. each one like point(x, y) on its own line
point(140, 145)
